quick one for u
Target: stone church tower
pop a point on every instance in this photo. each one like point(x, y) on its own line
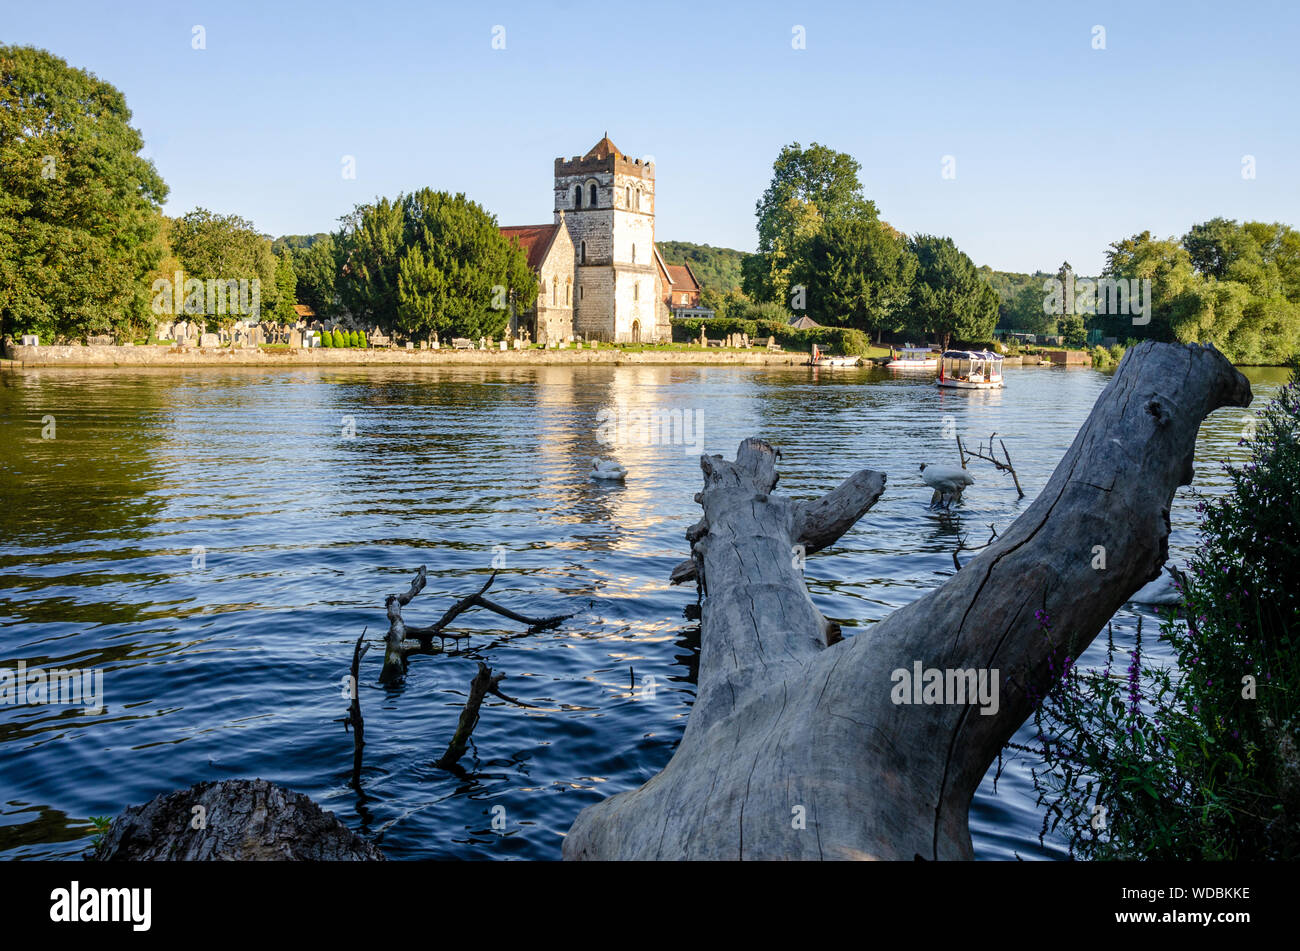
point(607, 201)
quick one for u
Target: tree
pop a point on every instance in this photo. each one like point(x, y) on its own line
point(857, 274)
point(217, 249)
point(316, 268)
point(432, 262)
point(809, 187)
point(79, 207)
point(949, 297)
point(286, 285)
point(1074, 330)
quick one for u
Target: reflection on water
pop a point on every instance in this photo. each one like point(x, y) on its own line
point(213, 541)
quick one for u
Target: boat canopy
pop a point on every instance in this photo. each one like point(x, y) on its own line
point(913, 350)
point(971, 355)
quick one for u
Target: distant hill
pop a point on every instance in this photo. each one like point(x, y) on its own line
point(717, 269)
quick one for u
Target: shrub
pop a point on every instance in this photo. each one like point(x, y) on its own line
point(326, 340)
point(338, 339)
point(361, 340)
point(353, 340)
point(1201, 761)
point(1101, 359)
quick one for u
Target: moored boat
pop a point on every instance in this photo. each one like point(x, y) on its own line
point(912, 358)
point(970, 370)
point(819, 359)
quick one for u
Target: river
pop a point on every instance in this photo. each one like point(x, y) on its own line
point(214, 540)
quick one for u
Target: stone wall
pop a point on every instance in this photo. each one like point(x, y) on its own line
point(159, 356)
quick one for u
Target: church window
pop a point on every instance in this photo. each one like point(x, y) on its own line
point(568, 289)
point(634, 254)
point(636, 291)
point(629, 196)
point(577, 196)
point(554, 291)
point(591, 194)
point(582, 253)
point(638, 199)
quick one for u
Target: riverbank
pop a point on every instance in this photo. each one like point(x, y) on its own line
point(166, 356)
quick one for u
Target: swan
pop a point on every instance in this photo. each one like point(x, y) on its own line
point(1166, 589)
point(948, 483)
point(604, 470)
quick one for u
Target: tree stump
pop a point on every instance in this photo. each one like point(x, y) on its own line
point(232, 820)
point(798, 748)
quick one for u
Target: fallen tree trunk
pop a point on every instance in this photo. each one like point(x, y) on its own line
point(796, 749)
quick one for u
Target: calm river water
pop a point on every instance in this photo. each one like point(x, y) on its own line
point(213, 541)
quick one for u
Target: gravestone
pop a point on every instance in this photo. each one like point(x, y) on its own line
point(209, 340)
point(295, 338)
point(31, 340)
point(409, 345)
point(503, 344)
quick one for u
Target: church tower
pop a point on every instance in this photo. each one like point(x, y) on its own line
point(608, 203)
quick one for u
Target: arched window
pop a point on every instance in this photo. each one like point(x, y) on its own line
point(577, 196)
point(555, 291)
point(638, 199)
point(634, 254)
point(582, 253)
point(568, 290)
point(636, 291)
point(591, 195)
point(629, 196)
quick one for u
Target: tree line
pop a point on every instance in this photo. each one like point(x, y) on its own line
point(85, 249)
point(824, 251)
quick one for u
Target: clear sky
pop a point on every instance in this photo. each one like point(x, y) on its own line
point(1059, 148)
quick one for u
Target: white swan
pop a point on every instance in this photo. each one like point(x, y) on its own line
point(1162, 590)
point(948, 483)
point(604, 470)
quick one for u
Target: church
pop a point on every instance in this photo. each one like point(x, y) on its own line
point(600, 275)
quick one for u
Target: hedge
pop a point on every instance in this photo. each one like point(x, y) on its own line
point(844, 340)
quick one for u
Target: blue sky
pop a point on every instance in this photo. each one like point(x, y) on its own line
point(1059, 148)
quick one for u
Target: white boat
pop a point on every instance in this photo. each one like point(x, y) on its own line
point(912, 358)
point(819, 359)
point(970, 370)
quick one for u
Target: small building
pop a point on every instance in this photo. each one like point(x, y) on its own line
point(549, 250)
point(681, 289)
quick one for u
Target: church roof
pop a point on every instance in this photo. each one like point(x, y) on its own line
point(604, 149)
point(534, 239)
point(683, 277)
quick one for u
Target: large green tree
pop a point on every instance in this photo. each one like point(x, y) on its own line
point(432, 262)
point(219, 248)
point(857, 273)
point(79, 206)
point(809, 188)
point(950, 298)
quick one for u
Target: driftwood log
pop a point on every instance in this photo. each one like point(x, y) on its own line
point(232, 820)
point(402, 639)
point(796, 749)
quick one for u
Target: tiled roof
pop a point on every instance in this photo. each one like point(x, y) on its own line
point(603, 149)
point(683, 279)
point(534, 239)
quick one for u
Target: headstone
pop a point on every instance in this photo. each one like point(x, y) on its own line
point(519, 344)
point(482, 343)
point(31, 340)
point(771, 343)
point(164, 331)
point(409, 345)
point(295, 338)
point(424, 345)
point(744, 337)
point(209, 340)
point(503, 344)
